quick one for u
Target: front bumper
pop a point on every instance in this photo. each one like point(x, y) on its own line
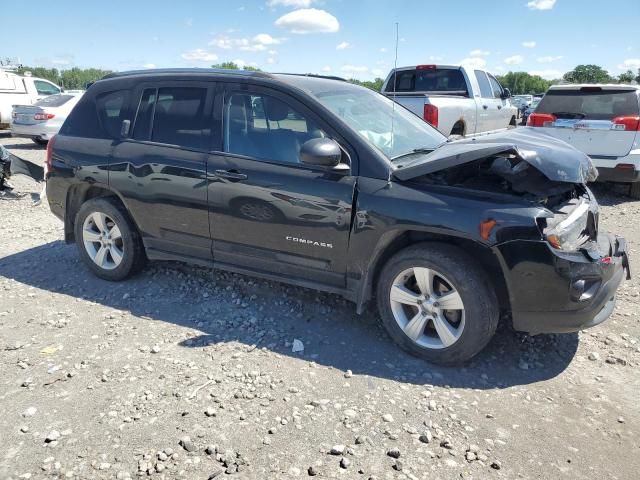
point(545, 299)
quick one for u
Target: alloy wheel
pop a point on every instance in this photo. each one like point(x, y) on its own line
point(103, 240)
point(427, 307)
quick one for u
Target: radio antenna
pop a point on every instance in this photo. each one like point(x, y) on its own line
point(393, 111)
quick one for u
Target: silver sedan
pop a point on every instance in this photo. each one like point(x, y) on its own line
point(43, 119)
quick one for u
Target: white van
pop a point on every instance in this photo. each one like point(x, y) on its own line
point(21, 90)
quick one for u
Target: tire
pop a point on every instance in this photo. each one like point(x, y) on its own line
point(125, 254)
point(452, 272)
point(634, 190)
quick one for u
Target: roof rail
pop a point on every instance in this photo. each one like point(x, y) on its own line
point(198, 71)
point(314, 75)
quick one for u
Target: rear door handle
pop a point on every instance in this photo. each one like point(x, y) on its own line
point(230, 174)
point(485, 106)
point(499, 107)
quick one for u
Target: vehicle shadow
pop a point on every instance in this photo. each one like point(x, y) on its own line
point(611, 194)
point(228, 307)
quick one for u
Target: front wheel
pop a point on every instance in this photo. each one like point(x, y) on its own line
point(108, 242)
point(436, 303)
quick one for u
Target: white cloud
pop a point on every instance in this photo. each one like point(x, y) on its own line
point(326, 68)
point(309, 20)
point(273, 52)
point(259, 43)
point(189, 22)
point(199, 55)
point(342, 46)
point(242, 63)
point(514, 60)
point(530, 44)
point(541, 4)
point(436, 58)
point(271, 60)
point(149, 65)
point(354, 68)
point(377, 72)
point(479, 53)
point(383, 50)
point(63, 61)
point(474, 62)
point(266, 39)
point(549, 59)
point(630, 64)
point(290, 3)
point(548, 74)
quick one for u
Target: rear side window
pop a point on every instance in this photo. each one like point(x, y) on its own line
point(53, 101)
point(483, 82)
point(450, 80)
point(174, 116)
point(589, 104)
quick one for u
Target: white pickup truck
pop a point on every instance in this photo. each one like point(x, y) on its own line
point(457, 100)
point(21, 90)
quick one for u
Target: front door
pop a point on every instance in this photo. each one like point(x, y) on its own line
point(267, 210)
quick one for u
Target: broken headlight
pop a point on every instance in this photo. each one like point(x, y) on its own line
point(571, 226)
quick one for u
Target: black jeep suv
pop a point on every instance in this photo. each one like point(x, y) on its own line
point(331, 186)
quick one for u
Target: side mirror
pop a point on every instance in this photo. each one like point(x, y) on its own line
point(322, 152)
point(506, 93)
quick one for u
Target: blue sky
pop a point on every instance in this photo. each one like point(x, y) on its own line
point(341, 37)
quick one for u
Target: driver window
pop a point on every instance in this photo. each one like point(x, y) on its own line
point(45, 88)
point(265, 128)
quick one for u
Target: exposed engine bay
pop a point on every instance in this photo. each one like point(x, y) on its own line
point(507, 173)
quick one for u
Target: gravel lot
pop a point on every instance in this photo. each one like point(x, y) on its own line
point(185, 372)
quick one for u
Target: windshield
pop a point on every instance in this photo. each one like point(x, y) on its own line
point(391, 128)
point(53, 100)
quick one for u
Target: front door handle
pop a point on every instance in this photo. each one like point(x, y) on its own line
point(485, 106)
point(499, 107)
point(231, 174)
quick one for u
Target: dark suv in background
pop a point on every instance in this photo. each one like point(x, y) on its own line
point(331, 186)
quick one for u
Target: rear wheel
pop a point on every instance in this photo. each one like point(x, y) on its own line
point(436, 303)
point(108, 242)
point(634, 190)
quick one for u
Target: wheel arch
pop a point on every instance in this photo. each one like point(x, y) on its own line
point(387, 247)
point(77, 195)
point(459, 128)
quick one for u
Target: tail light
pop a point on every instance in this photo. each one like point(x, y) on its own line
point(43, 116)
point(629, 124)
point(431, 114)
point(49, 163)
point(540, 120)
point(426, 67)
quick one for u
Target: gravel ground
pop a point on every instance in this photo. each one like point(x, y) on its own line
point(189, 373)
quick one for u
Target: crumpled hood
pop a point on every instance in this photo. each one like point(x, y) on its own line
point(557, 160)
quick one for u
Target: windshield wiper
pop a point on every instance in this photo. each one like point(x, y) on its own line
point(413, 152)
point(572, 114)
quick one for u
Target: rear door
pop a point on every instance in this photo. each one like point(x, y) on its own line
point(160, 170)
point(602, 122)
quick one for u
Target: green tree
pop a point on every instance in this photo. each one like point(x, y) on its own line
point(626, 77)
point(520, 83)
point(638, 77)
point(72, 79)
point(235, 66)
point(588, 74)
point(375, 84)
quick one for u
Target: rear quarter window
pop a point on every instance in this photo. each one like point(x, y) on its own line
point(97, 117)
point(591, 105)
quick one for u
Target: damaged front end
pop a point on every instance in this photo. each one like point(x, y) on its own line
point(566, 280)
